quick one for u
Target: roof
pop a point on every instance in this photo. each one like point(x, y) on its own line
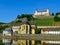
point(25, 21)
point(17, 24)
point(42, 11)
point(32, 23)
point(8, 29)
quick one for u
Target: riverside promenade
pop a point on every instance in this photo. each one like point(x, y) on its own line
point(48, 26)
point(39, 37)
point(34, 37)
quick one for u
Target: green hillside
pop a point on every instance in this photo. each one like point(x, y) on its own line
point(55, 21)
point(39, 22)
point(44, 22)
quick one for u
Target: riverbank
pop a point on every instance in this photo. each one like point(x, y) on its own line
point(33, 37)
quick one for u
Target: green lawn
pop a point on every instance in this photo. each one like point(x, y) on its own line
point(45, 22)
point(57, 23)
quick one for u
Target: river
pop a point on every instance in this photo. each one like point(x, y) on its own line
point(30, 39)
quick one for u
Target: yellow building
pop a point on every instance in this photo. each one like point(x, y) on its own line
point(27, 27)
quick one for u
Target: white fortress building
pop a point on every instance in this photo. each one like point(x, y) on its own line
point(41, 13)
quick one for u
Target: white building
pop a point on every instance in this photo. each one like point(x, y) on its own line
point(41, 13)
point(15, 28)
point(50, 31)
point(50, 42)
point(7, 32)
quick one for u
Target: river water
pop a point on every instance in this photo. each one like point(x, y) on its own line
point(27, 42)
point(19, 42)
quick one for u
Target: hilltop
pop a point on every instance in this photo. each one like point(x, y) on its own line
point(54, 21)
point(42, 21)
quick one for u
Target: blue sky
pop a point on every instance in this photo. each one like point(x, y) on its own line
point(9, 9)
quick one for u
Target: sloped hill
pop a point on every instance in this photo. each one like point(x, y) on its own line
point(44, 22)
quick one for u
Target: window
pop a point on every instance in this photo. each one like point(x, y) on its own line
point(23, 27)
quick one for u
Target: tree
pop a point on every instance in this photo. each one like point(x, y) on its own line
point(52, 14)
point(38, 30)
point(56, 18)
point(18, 16)
point(2, 28)
point(28, 16)
point(57, 13)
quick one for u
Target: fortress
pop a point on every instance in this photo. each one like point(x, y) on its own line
point(41, 13)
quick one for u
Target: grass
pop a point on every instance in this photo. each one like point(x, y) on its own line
point(42, 22)
point(57, 23)
point(45, 22)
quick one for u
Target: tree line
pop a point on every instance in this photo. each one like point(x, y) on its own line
point(30, 17)
point(57, 17)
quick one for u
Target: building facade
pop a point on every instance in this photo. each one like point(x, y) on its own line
point(27, 27)
point(41, 13)
point(50, 31)
point(15, 29)
point(7, 32)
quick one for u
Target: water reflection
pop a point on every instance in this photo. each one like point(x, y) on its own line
point(1, 43)
point(20, 42)
point(27, 42)
point(7, 41)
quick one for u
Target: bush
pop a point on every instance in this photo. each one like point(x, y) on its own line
point(56, 18)
point(28, 16)
point(2, 28)
point(38, 30)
